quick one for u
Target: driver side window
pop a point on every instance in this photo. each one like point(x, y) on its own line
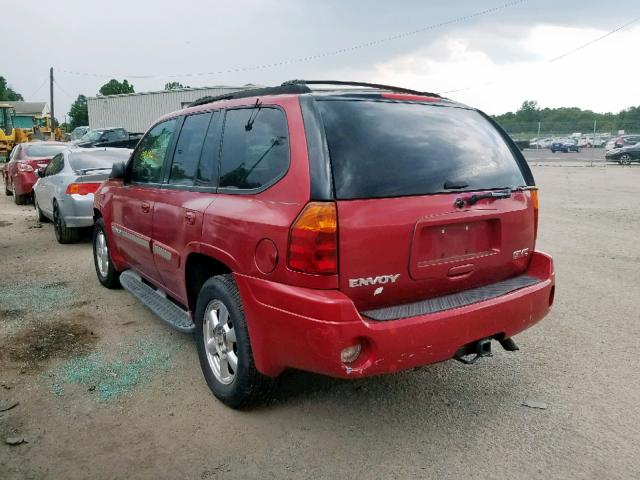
point(148, 159)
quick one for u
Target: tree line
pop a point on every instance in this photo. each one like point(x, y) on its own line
point(525, 120)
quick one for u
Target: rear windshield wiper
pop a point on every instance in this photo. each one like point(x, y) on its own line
point(495, 195)
point(479, 196)
point(82, 171)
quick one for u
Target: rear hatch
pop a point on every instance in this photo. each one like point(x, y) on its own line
point(405, 176)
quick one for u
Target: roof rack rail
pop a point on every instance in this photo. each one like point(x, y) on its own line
point(254, 92)
point(301, 86)
point(360, 84)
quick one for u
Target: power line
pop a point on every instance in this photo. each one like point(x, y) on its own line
point(39, 88)
point(63, 90)
point(555, 59)
point(595, 40)
point(307, 58)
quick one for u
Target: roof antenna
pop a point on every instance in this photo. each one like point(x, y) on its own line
point(252, 117)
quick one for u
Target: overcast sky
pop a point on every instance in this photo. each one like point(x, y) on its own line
point(493, 62)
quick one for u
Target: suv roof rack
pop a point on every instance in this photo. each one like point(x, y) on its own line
point(301, 86)
point(360, 84)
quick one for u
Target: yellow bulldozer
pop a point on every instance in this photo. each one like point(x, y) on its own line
point(42, 129)
point(9, 135)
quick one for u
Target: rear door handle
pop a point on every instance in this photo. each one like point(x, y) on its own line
point(146, 206)
point(190, 217)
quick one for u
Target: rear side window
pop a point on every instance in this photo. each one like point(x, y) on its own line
point(55, 166)
point(188, 149)
point(255, 148)
point(146, 165)
point(390, 149)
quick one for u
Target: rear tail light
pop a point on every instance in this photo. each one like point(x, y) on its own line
point(25, 167)
point(82, 188)
point(313, 240)
point(534, 200)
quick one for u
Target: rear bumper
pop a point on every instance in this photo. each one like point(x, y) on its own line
point(77, 210)
point(293, 327)
point(23, 183)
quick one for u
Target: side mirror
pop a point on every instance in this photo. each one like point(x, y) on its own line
point(117, 171)
point(40, 172)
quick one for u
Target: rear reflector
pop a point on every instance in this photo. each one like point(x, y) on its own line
point(534, 200)
point(82, 188)
point(313, 240)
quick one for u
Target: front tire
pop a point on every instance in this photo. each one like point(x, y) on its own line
point(108, 276)
point(63, 233)
point(625, 159)
point(224, 347)
point(7, 192)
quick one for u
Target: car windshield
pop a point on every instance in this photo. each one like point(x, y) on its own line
point(390, 149)
point(102, 159)
point(93, 135)
point(44, 150)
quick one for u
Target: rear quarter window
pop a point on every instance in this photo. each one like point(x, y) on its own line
point(390, 149)
point(255, 148)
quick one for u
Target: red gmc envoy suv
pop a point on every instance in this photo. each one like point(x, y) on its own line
point(344, 231)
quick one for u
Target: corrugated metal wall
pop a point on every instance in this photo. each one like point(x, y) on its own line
point(136, 112)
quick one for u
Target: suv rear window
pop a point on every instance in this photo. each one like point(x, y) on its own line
point(390, 149)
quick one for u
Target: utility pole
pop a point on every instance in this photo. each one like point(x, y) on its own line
point(593, 141)
point(53, 126)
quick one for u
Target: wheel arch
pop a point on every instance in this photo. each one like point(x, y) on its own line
point(199, 268)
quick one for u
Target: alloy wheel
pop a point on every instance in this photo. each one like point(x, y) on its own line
point(219, 338)
point(102, 254)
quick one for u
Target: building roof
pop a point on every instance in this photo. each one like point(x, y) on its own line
point(29, 108)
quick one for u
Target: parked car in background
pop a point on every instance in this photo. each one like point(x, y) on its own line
point(287, 229)
point(78, 133)
point(564, 145)
point(109, 137)
point(624, 155)
point(19, 174)
point(64, 191)
point(622, 141)
point(539, 143)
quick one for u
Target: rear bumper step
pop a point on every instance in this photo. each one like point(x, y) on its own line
point(157, 302)
point(454, 300)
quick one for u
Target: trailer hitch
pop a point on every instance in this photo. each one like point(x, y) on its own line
point(472, 352)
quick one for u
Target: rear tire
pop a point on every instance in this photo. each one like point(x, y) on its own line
point(224, 347)
point(19, 199)
point(63, 233)
point(625, 159)
point(7, 192)
point(108, 276)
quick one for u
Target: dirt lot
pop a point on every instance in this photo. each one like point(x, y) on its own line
point(105, 390)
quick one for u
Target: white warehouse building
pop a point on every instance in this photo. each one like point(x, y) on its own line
point(137, 111)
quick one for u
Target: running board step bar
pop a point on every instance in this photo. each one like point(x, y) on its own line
point(157, 302)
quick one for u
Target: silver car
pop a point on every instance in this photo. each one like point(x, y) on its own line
point(64, 190)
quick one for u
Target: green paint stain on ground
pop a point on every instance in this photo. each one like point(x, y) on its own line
point(130, 367)
point(18, 298)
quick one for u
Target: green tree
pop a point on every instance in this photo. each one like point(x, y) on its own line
point(114, 87)
point(7, 93)
point(79, 113)
point(174, 85)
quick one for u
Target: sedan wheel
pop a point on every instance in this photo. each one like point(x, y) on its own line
point(625, 159)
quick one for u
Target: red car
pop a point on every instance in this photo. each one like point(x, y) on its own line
point(19, 174)
point(340, 231)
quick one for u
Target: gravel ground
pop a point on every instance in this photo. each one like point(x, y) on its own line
point(105, 390)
